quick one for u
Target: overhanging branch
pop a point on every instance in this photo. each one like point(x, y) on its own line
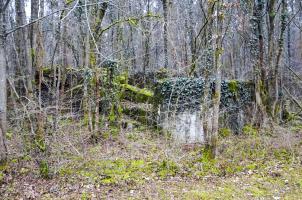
point(46, 16)
point(131, 20)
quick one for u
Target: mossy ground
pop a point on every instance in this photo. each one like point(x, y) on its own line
point(143, 164)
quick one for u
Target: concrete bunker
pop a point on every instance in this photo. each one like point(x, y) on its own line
point(177, 104)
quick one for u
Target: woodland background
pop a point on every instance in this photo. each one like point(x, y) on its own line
point(63, 68)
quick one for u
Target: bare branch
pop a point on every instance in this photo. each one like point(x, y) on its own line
point(5, 6)
point(46, 16)
point(293, 98)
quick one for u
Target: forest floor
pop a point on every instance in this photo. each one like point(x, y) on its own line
point(143, 164)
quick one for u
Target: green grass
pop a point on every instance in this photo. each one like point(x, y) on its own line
point(141, 164)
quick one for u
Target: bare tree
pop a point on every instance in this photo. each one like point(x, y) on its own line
point(257, 51)
point(147, 35)
point(276, 77)
point(165, 9)
point(22, 48)
point(3, 87)
point(217, 67)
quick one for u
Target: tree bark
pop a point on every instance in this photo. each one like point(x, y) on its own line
point(132, 44)
point(192, 40)
point(271, 30)
point(147, 34)
point(93, 61)
point(257, 54)
point(205, 104)
point(277, 78)
point(33, 31)
point(3, 91)
point(23, 48)
point(218, 50)
point(165, 9)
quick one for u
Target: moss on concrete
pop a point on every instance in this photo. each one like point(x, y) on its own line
point(136, 94)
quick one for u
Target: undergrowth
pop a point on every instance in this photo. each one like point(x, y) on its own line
point(250, 153)
point(254, 164)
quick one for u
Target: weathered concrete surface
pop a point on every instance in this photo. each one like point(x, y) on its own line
point(186, 127)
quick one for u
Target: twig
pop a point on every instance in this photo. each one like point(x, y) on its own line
point(74, 7)
point(46, 16)
point(293, 98)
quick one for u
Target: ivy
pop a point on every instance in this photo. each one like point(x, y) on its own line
point(186, 94)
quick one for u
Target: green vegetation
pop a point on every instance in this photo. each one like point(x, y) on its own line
point(247, 166)
point(233, 86)
point(3, 167)
point(249, 130)
point(225, 132)
point(297, 128)
point(179, 93)
point(150, 99)
point(257, 156)
point(120, 170)
point(44, 169)
point(136, 94)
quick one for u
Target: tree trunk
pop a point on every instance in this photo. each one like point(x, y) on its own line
point(205, 104)
point(85, 103)
point(3, 92)
point(147, 33)
point(277, 78)
point(22, 48)
point(261, 41)
point(257, 53)
point(218, 50)
point(165, 9)
point(132, 43)
point(271, 31)
point(93, 61)
point(33, 31)
point(40, 54)
point(192, 40)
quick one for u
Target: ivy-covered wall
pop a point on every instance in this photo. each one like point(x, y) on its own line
point(177, 101)
point(185, 94)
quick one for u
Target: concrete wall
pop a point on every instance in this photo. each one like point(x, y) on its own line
point(185, 127)
point(177, 102)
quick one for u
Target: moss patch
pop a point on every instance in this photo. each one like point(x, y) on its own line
point(225, 132)
point(136, 94)
point(233, 86)
point(120, 171)
point(249, 130)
